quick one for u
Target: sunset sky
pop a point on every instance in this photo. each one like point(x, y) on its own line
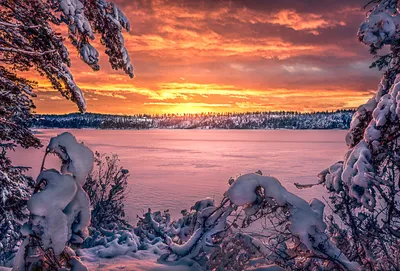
point(219, 55)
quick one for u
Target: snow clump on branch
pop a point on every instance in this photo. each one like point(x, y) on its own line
point(60, 211)
point(306, 220)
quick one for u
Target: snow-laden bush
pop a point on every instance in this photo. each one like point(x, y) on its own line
point(215, 237)
point(59, 209)
point(110, 240)
point(106, 188)
point(222, 236)
point(109, 233)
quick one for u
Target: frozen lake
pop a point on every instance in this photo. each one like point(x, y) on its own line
point(171, 169)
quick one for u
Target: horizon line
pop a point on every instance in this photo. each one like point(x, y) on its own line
point(202, 113)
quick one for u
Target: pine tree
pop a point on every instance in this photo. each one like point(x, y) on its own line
point(15, 189)
point(28, 42)
point(365, 187)
point(15, 112)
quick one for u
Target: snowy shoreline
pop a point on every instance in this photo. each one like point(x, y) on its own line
point(36, 129)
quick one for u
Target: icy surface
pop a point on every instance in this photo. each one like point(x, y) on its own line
point(175, 168)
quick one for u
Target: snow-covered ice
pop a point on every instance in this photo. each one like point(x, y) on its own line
point(172, 169)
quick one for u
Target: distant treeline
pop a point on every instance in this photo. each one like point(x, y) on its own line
point(339, 119)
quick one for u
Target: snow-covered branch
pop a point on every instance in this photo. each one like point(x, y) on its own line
point(30, 42)
point(18, 25)
point(5, 49)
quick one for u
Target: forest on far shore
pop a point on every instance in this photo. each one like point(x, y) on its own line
point(339, 119)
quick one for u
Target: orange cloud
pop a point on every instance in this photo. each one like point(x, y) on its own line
point(295, 20)
point(186, 34)
point(225, 57)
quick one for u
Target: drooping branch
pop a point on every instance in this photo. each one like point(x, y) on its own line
point(19, 25)
point(20, 51)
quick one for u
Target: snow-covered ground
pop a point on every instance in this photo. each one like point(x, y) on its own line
point(142, 261)
point(172, 169)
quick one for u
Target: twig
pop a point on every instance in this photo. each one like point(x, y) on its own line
point(43, 161)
